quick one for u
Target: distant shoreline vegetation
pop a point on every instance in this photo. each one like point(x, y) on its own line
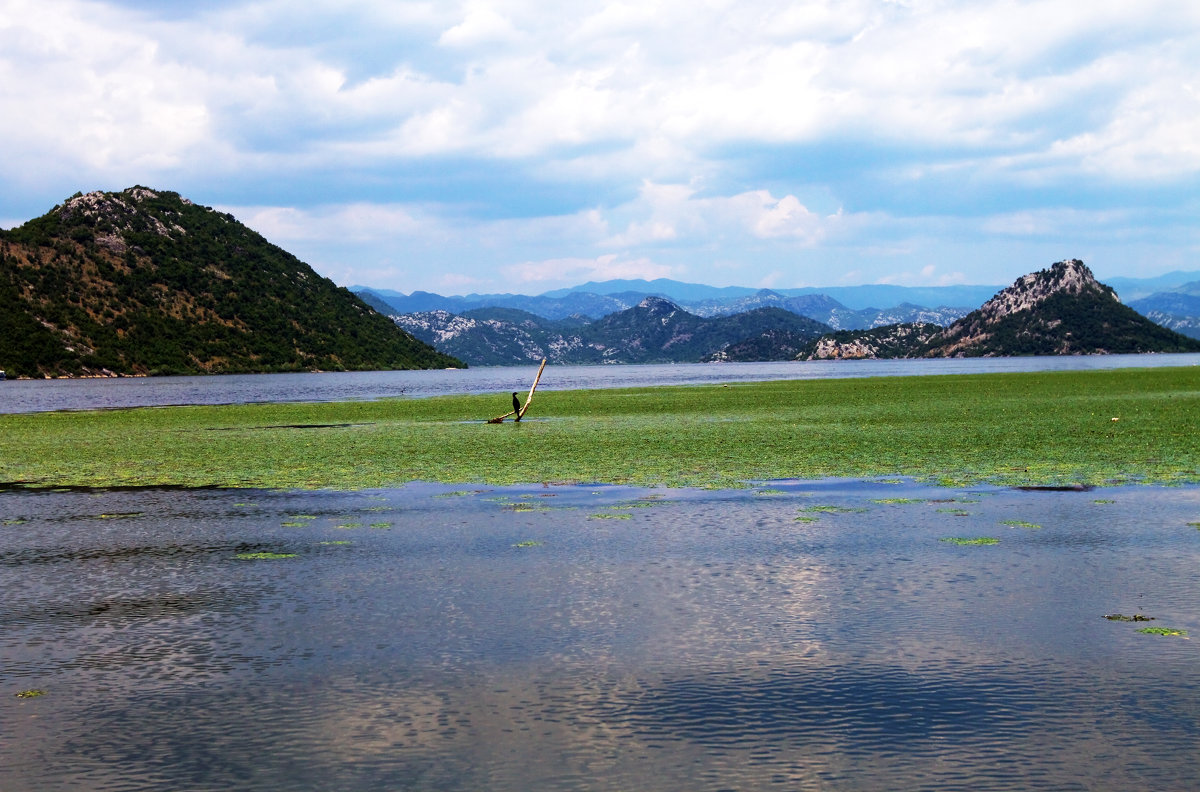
point(1044, 429)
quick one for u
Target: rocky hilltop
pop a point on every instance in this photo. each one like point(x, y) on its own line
point(881, 342)
point(147, 282)
point(1061, 310)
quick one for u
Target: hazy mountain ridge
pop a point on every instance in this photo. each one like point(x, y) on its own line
point(1177, 310)
point(819, 307)
point(653, 331)
point(144, 282)
point(840, 307)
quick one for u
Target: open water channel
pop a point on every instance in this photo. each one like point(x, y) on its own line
point(795, 635)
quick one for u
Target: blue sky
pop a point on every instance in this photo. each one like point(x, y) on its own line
point(523, 146)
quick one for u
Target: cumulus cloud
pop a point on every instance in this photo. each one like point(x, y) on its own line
point(634, 129)
point(576, 270)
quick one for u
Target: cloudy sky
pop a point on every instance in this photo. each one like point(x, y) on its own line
point(527, 145)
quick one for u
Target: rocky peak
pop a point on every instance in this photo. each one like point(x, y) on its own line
point(113, 215)
point(658, 306)
point(1064, 277)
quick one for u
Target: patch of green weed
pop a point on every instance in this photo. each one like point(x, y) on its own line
point(964, 540)
point(1162, 631)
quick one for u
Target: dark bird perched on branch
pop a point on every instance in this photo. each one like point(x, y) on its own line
point(516, 405)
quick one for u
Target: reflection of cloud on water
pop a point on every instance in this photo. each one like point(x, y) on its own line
point(709, 642)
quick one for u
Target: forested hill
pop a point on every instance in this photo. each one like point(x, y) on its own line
point(147, 282)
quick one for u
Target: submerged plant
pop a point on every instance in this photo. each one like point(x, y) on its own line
point(1162, 631)
point(964, 540)
point(263, 556)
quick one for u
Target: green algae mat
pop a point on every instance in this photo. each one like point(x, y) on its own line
point(1046, 429)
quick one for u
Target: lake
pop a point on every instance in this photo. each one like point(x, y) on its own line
point(793, 635)
point(18, 396)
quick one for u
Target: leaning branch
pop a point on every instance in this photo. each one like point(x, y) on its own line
point(521, 413)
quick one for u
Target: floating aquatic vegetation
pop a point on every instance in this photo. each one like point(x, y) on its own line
point(302, 517)
point(348, 526)
point(381, 525)
point(805, 518)
point(374, 508)
point(955, 512)
point(525, 507)
point(832, 509)
point(897, 500)
point(33, 693)
point(1021, 524)
point(1103, 500)
point(965, 540)
point(16, 521)
point(603, 516)
point(293, 524)
point(1162, 631)
point(119, 515)
point(337, 542)
point(529, 543)
point(263, 556)
point(1137, 617)
point(768, 492)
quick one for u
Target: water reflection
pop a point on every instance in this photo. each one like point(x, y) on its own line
point(812, 634)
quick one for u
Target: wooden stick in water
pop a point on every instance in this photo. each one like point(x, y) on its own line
point(520, 413)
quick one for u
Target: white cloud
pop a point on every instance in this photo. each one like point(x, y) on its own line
point(577, 270)
point(668, 212)
point(358, 222)
point(645, 130)
point(481, 25)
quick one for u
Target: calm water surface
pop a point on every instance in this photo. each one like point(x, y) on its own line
point(42, 395)
point(801, 635)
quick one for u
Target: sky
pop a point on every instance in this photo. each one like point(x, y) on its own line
point(520, 146)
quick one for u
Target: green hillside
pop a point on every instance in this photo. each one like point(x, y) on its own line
point(147, 282)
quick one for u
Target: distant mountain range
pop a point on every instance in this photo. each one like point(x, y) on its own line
point(593, 305)
point(655, 330)
point(1062, 310)
point(147, 282)
point(840, 307)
